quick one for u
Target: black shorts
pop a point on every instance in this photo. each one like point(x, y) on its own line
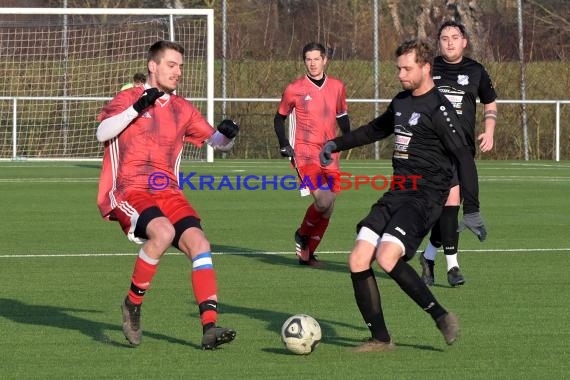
point(408, 217)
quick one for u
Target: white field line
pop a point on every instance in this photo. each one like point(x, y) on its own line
point(246, 253)
point(49, 180)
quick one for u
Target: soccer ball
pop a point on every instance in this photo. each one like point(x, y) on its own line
point(301, 334)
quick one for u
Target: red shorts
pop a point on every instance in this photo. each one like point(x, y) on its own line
point(171, 203)
point(317, 177)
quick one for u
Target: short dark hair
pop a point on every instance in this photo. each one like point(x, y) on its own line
point(139, 78)
point(156, 49)
point(452, 24)
point(314, 46)
point(423, 49)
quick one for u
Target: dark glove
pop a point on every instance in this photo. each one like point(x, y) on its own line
point(228, 128)
point(287, 151)
point(147, 99)
point(326, 153)
point(475, 223)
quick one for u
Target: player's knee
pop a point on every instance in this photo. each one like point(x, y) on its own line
point(161, 231)
point(198, 244)
point(192, 242)
point(358, 262)
point(324, 203)
point(189, 236)
point(385, 262)
point(362, 255)
point(390, 251)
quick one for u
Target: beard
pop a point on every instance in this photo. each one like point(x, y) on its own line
point(408, 86)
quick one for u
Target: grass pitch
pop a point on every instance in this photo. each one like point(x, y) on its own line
point(64, 272)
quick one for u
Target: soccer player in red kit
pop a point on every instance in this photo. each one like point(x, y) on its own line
point(316, 103)
point(144, 129)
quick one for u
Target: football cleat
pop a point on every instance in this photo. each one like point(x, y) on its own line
point(312, 262)
point(427, 270)
point(215, 336)
point(375, 345)
point(302, 247)
point(455, 277)
point(132, 322)
point(448, 324)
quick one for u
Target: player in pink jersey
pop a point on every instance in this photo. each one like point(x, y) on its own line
point(144, 129)
point(316, 103)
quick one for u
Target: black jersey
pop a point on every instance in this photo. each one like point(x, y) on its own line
point(427, 137)
point(462, 83)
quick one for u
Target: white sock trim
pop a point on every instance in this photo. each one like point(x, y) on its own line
point(451, 261)
point(147, 259)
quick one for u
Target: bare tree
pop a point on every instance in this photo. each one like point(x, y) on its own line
point(551, 23)
point(424, 19)
point(469, 14)
point(395, 15)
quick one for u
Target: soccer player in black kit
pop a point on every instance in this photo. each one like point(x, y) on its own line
point(462, 80)
point(427, 138)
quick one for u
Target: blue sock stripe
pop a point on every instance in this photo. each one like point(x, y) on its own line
point(202, 261)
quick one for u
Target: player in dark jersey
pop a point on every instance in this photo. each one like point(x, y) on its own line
point(428, 139)
point(462, 80)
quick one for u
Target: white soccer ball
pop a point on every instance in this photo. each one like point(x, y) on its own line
point(301, 334)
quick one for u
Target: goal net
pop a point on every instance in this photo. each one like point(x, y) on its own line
point(60, 66)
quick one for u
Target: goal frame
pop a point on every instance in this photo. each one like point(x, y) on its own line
point(209, 100)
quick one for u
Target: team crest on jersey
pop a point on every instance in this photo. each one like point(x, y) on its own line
point(308, 97)
point(414, 119)
point(146, 115)
point(463, 80)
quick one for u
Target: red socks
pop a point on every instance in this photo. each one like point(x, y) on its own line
point(145, 268)
point(203, 283)
point(314, 226)
point(317, 235)
point(205, 287)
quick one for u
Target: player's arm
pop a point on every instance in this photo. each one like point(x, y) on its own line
point(486, 140)
point(342, 112)
point(343, 123)
point(224, 137)
point(468, 178)
point(469, 184)
point(455, 142)
point(446, 123)
point(377, 129)
point(279, 126)
point(111, 127)
point(285, 147)
point(487, 96)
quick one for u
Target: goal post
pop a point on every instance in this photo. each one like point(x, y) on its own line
point(61, 65)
